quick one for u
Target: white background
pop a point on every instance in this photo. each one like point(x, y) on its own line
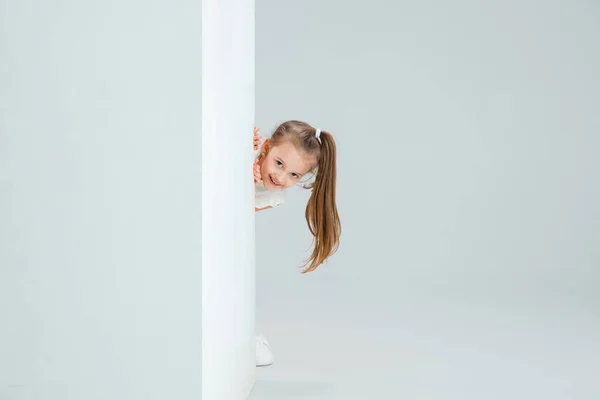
point(100, 202)
point(469, 194)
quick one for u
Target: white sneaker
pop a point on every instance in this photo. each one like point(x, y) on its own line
point(264, 355)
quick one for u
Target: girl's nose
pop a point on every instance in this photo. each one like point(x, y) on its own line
point(279, 179)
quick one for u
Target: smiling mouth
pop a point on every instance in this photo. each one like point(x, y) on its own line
point(273, 182)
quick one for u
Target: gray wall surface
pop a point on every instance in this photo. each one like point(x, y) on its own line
point(100, 227)
point(468, 137)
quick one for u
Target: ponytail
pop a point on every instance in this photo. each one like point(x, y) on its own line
point(321, 212)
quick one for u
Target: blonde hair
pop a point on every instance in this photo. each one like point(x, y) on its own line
point(321, 211)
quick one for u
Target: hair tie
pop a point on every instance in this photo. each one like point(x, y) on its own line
point(318, 135)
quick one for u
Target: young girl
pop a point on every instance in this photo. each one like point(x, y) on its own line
point(294, 153)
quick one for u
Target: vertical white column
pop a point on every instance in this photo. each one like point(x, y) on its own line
point(228, 270)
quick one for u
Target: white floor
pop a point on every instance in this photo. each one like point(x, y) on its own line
point(427, 348)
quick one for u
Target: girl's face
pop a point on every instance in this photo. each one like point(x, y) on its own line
point(284, 166)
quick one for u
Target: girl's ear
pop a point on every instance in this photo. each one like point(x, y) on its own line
point(264, 150)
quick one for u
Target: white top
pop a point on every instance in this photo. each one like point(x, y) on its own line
point(263, 197)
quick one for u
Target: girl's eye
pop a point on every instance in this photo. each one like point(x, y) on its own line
point(295, 176)
point(279, 163)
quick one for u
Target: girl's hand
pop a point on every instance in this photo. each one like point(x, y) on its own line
point(256, 138)
point(257, 177)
